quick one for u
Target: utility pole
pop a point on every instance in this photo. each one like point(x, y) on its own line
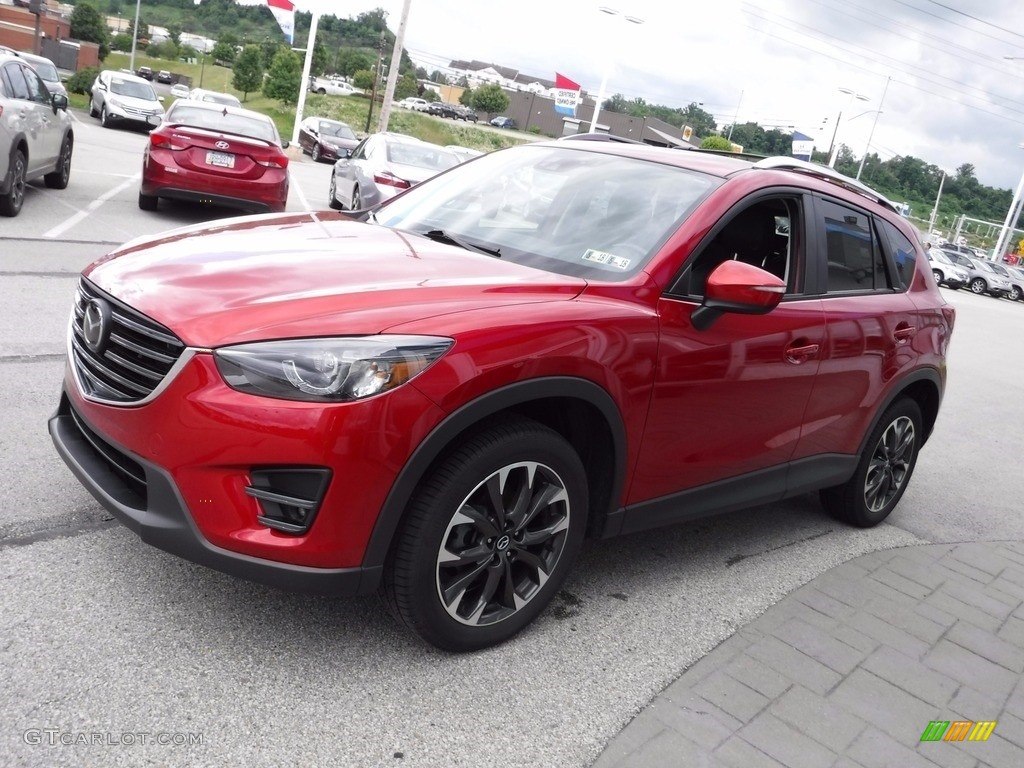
point(396, 62)
point(376, 77)
point(935, 210)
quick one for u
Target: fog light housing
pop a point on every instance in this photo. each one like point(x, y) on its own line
point(289, 497)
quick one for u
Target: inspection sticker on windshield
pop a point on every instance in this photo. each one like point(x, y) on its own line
point(603, 257)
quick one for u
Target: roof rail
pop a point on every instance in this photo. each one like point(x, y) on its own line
point(826, 173)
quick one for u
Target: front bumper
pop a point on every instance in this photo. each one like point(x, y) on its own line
point(179, 471)
point(163, 520)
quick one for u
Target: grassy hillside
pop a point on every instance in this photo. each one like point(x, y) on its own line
point(350, 109)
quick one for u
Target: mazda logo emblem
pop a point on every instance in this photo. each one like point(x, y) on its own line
point(222, 145)
point(96, 325)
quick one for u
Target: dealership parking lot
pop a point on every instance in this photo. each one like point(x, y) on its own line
point(102, 634)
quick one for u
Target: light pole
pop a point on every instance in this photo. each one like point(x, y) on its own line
point(608, 66)
point(1010, 222)
point(135, 34)
point(871, 135)
point(833, 150)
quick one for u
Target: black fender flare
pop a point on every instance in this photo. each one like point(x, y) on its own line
point(929, 375)
point(474, 412)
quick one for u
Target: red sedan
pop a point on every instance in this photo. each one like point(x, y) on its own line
point(215, 154)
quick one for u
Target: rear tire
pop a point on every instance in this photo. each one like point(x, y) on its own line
point(883, 471)
point(489, 537)
point(148, 202)
point(10, 204)
point(61, 175)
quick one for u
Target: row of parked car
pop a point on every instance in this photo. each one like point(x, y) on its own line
point(955, 269)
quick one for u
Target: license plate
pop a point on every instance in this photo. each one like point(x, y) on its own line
point(220, 159)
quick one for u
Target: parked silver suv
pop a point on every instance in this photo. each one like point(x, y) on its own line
point(944, 269)
point(36, 139)
point(118, 98)
point(989, 278)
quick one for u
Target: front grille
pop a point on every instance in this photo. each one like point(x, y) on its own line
point(130, 473)
point(136, 356)
point(140, 112)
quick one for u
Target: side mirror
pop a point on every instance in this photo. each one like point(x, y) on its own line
point(159, 98)
point(735, 286)
point(59, 101)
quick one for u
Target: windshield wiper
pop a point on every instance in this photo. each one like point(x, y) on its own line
point(440, 236)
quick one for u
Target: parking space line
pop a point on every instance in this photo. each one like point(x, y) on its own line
point(73, 220)
point(302, 197)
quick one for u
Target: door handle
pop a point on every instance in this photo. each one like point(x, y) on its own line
point(903, 332)
point(802, 353)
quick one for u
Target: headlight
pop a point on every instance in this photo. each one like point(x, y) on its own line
point(328, 370)
point(112, 102)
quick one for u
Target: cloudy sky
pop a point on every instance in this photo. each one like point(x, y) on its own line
point(952, 98)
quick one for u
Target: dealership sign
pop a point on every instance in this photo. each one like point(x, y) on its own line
point(567, 95)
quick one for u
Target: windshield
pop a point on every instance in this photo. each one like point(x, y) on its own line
point(556, 208)
point(420, 155)
point(339, 130)
point(133, 89)
point(939, 256)
point(999, 269)
point(47, 71)
point(183, 114)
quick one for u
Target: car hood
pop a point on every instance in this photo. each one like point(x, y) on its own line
point(136, 103)
point(296, 275)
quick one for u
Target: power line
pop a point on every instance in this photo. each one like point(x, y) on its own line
point(975, 18)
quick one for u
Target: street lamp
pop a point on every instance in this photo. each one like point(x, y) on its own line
point(135, 33)
point(1011, 220)
point(833, 150)
point(871, 135)
point(608, 66)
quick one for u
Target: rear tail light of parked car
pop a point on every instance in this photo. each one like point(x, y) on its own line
point(274, 161)
point(390, 180)
point(163, 141)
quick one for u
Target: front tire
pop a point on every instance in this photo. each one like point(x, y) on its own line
point(939, 277)
point(357, 202)
point(315, 153)
point(978, 286)
point(104, 117)
point(883, 471)
point(489, 537)
point(1015, 294)
point(332, 195)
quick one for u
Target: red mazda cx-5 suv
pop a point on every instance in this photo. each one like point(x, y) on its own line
point(442, 397)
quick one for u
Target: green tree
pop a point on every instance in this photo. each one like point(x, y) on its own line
point(320, 57)
point(121, 42)
point(89, 25)
point(702, 122)
point(466, 99)
point(716, 142)
point(224, 52)
point(352, 60)
point(405, 87)
point(284, 77)
point(174, 33)
point(437, 76)
point(490, 98)
point(363, 79)
point(248, 71)
point(617, 103)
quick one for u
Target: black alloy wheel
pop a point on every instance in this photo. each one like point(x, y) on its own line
point(489, 537)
